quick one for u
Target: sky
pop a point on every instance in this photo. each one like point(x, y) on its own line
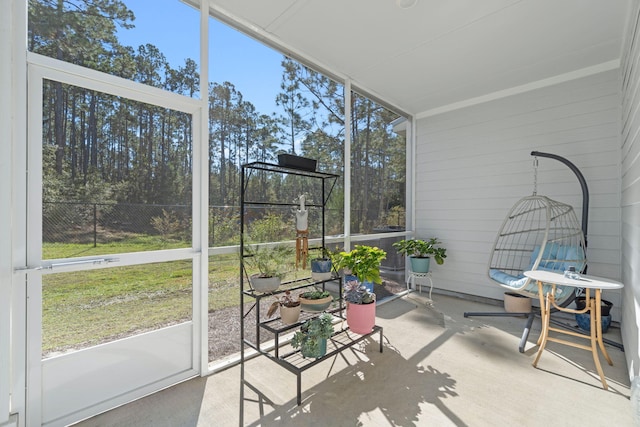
point(173, 28)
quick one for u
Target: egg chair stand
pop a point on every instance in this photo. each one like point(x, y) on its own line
point(538, 234)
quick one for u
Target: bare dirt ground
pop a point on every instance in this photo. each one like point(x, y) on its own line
point(224, 325)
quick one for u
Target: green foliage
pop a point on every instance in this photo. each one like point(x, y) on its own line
point(422, 249)
point(99, 147)
point(224, 227)
point(363, 261)
point(294, 103)
point(394, 217)
point(271, 228)
point(270, 261)
point(168, 225)
point(59, 29)
point(315, 294)
point(307, 338)
point(378, 163)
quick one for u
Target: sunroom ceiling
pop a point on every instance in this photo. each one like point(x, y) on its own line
point(438, 54)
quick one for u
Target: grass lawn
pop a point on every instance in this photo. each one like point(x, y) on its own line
point(127, 243)
point(86, 308)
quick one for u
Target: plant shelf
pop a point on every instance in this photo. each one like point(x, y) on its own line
point(291, 359)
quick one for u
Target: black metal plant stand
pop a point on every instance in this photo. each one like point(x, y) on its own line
point(292, 361)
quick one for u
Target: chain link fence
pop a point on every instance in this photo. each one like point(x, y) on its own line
point(97, 224)
point(102, 223)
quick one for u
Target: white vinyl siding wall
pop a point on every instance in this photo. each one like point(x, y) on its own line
point(474, 164)
point(630, 156)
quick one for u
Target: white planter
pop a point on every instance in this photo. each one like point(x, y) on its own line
point(264, 284)
point(318, 277)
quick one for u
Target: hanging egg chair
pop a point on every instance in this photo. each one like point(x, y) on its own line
point(538, 234)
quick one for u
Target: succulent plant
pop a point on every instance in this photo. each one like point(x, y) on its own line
point(357, 293)
point(311, 332)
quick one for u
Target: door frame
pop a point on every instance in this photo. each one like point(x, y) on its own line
point(40, 68)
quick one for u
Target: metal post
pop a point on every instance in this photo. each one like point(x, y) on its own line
point(95, 225)
point(583, 184)
point(242, 355)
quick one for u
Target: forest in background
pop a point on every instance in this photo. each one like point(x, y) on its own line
point(135, 160)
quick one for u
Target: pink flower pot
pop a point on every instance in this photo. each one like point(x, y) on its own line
point(361, 317)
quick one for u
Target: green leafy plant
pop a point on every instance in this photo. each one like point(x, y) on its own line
point(223, 227)
point(311, 332)
point(270, 228)
point(422, 249)
point(357, 293)
point(270, 261)
point(363, 261)
point(315, 294)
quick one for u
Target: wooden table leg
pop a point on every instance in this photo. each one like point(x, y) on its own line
point(599, 327)
point(593, 309)
point(545, 313)
point(595, 327)
point(542, 302)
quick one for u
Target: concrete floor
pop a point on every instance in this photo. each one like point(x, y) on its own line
point(437, 369)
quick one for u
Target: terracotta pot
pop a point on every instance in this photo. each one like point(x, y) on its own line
point(361, 318)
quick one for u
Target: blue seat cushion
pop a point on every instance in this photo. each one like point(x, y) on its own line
point(507, 279)
point(557, 258)
point(525, 286)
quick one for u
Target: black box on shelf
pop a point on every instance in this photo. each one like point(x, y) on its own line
point(297, 162)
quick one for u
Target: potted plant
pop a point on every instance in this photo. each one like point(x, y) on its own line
point(312, 336)
point(420, 252)
point(272, 262)
point(321, 269)
point(289, 306)
point(363, 262)
point(361, 307)
point(584, 317)
point(315, 300)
